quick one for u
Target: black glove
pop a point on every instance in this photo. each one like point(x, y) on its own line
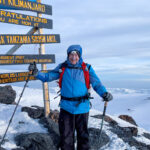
point(32, 68)
point(107, 96)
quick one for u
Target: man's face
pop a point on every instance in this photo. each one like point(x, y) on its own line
point(73, 58)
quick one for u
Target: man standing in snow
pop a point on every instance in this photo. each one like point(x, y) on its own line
point(75, 78)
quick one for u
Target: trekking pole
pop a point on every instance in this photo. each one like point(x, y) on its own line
point(103, 116)
point(14, 110)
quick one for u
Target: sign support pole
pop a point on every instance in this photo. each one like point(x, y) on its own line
point(45, 84)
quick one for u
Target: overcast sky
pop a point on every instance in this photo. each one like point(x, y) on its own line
point(114, 34)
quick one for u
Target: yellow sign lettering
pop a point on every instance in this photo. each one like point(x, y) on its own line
point(2, 13)
point(19, 57)
point(10, 2)
point(26, 23)
point(14, 77)
point(51, 39)
point(38, 39)
point(44, 60)
point(2, 19)
point(13, 21)
point(4, 76)
point(2, 41)
point(36, 24)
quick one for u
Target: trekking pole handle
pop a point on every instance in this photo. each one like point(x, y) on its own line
point(105, 106)
point(30, 73)
point(106, 103)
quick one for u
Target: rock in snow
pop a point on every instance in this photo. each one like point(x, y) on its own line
point(122, 130)
point(128, 119)
point(36, 141)
point(34, 112)
point(7, 95)
point(50, 141)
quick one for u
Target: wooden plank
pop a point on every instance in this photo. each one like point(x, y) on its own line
point(17, 77)
point(9, 39)
point(15, 47)
point(26, 20)
point(14, 77)
point(26, 5)
point(26, 59)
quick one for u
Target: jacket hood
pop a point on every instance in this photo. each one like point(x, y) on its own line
point(75, 48)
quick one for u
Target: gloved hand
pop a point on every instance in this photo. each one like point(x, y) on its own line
point(107, 96)
point(32, 68)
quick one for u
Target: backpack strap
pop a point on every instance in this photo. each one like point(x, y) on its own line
point(61, 76)
point(86, 74)
point(62, 70)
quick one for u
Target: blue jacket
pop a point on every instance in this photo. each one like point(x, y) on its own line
point(73, 85)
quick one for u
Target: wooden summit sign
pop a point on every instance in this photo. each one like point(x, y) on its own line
point(26, 5)
point(26, 59)
point(21, 19)
point(16, 77)
point(28, 39)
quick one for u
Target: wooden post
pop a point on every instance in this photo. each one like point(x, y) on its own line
point(43, 67)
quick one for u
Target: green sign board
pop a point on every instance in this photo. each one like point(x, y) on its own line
point(26, 59)
point(7, 39)
point(26, 5)
point(21, 19)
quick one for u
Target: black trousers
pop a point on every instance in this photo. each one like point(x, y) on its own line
point(68, 123)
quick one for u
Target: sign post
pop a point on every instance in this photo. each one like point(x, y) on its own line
point(45, 84)
point(37, 22)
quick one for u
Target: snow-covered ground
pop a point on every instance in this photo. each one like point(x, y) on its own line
point(135, 103)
